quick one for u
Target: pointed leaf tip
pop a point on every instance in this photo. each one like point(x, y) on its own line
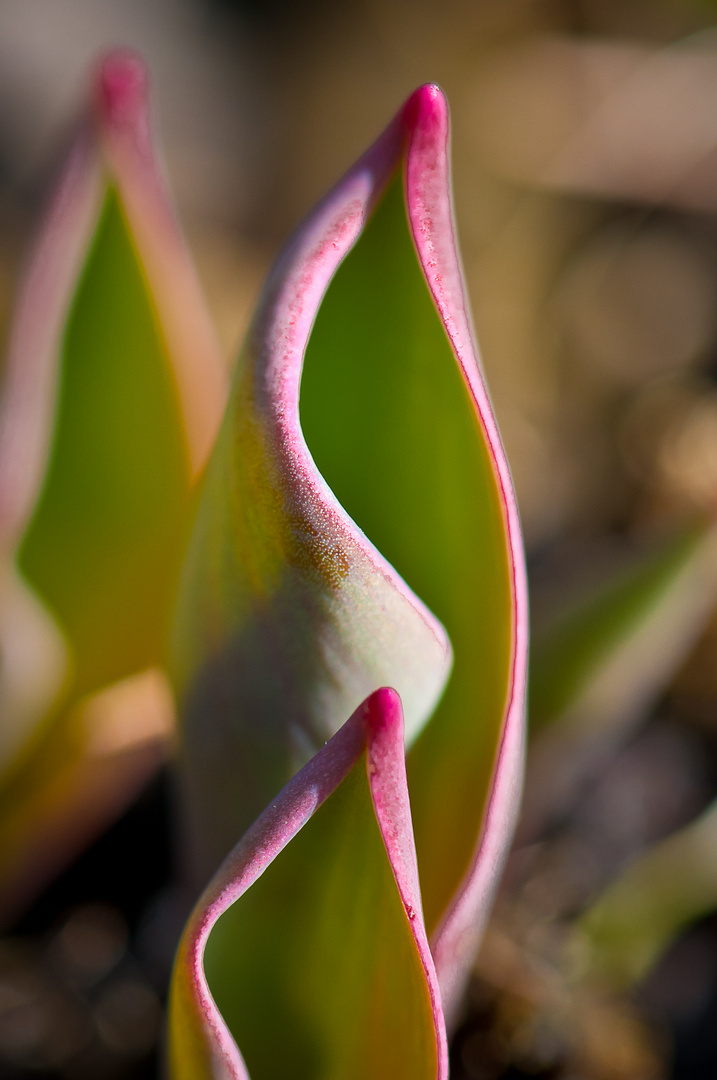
point(427, 103)
point(125, 140)
point(382, 712)
point(122, 88)
point(360, 417)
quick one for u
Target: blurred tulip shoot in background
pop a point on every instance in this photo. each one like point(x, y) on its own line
point(277, 798)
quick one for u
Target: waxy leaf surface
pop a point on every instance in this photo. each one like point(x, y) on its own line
point(112, 395)
point(308, 951)
point(320, 547)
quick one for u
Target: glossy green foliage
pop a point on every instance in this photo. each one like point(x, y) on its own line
point(102, 547)
point(315, 969)
point(391, 426)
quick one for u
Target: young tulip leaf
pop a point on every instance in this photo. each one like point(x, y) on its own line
point(607, 655)
point(598, 666)
point(289, 614)
point(308, 951)
point(625, 931)
point(101, 544)
point(107, 415)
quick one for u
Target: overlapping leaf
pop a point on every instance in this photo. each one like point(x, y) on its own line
point(308, 951)
point(112, 396)
point(289, 614)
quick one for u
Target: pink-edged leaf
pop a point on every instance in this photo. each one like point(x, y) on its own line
point(112, 394)
point(113, 147)
point(121, 106)
point(307, 955)
point(465, 772)
point(359, 417)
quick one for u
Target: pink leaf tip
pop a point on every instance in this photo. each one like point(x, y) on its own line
point(382, 713)
point(426, 106)
point(122, 94)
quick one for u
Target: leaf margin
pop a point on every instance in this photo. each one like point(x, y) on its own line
point(206, 1049)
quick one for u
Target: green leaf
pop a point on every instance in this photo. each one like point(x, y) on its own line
point(308, 951)
point(112, 394)
point(323, 559)
point(101, 549)
point(602, 660)
point(628, 927)
point(392, 428)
